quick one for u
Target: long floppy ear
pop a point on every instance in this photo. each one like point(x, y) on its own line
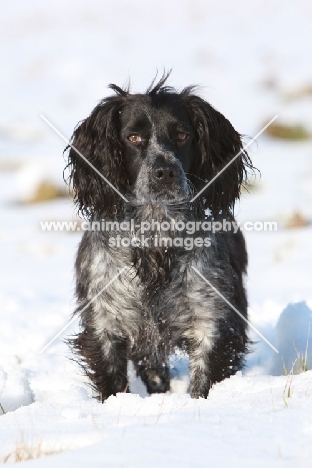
point(217, 143)
point(97, 139)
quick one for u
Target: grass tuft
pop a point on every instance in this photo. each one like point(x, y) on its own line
point(24, 452)
point(288, 132)
point(288, 390)
point(47, 190)
point(297, 220)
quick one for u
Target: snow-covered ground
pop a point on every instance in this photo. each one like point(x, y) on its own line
point(253, 61)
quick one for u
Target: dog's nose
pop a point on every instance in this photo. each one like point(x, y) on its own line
point(165, 173)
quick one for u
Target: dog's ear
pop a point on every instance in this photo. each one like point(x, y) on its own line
point(216, 144)
point(97, 140)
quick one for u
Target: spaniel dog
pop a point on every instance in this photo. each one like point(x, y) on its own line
point(155, 272)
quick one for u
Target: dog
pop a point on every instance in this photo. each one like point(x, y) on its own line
point(146, 160)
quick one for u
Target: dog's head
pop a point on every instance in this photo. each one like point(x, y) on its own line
point(160, 146)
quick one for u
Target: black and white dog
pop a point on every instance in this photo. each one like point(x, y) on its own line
point(158, 149)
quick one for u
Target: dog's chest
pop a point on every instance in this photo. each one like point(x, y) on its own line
point(159, 309)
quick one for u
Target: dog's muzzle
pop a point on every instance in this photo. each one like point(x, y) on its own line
point(161, 177)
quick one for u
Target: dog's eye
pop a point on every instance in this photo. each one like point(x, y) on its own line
point(134, 138)
point(182, 136)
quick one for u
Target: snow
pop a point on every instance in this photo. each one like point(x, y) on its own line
point(247, 421)
point(250, 63)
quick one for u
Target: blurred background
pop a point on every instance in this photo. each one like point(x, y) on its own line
point(252, 60)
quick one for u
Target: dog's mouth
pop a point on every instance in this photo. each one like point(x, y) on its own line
point(165, 197)
point(170, 193)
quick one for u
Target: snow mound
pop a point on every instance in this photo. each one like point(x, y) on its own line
point(15, 390)
point(293, 339)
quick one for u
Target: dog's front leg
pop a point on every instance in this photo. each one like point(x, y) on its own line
point(105, 359)
point(199, 350)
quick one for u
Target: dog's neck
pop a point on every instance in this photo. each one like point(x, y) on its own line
point(156, 220)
